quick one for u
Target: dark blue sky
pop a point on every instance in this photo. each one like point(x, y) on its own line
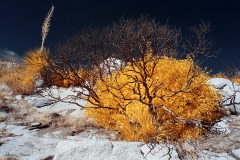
point(21, 21)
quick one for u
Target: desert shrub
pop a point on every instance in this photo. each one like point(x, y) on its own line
point(152, 95)
point(35, 61)
point(169, 99)
point(16, 78)
point(19, 81)
point(20, 77)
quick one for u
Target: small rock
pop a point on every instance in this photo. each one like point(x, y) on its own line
point(236, 153)
point(55, 133)
point(36, 124)
point(3, 125)
point(3, 115)
point(19, 97)
point(228, 112)
point(13, 105)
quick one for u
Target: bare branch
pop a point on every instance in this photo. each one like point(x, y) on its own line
point(198, 45)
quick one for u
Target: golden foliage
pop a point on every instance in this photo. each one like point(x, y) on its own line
point(35, 60)
point(178, 93)
point(236, 79)
point(20, 77)
point(17, 79)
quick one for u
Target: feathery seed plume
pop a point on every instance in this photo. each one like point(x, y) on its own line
point(46, 25)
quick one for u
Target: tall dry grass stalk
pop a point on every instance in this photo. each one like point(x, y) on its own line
point(46, 25)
